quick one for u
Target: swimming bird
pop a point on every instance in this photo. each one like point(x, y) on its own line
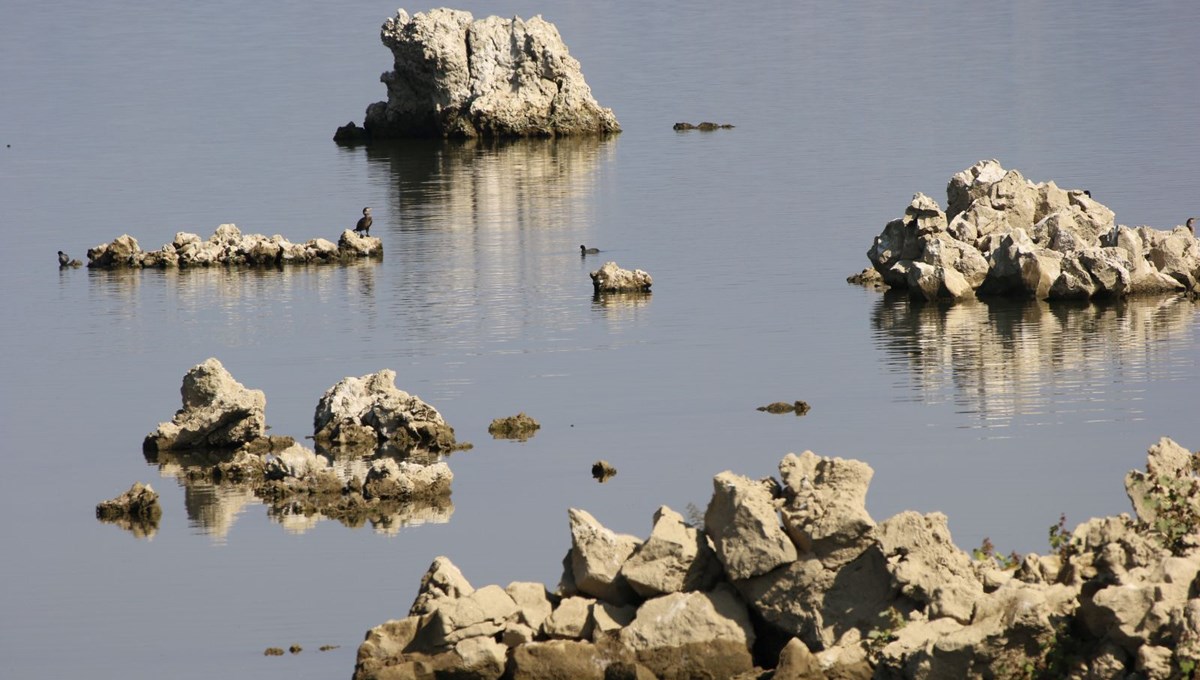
point(364, 224)
point(64, 260)
point(584, 250)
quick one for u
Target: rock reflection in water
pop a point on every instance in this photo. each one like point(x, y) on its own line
point(1008, 360)
point(213, 504)
point(620, 309)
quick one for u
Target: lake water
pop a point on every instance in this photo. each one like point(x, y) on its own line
point(150, 119)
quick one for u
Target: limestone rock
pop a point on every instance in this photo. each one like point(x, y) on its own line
point(369, 411)
point(927, 567)
point(612, 279)
point(825, 509)
point(229, 246)
point(743, 523)
point(122, 251)
point(596, 557)
point(454, 76)
point(480, 614)
point(796, 662)
point(1002, 234)
point(570, 620)
point(574, 659)
point(390, 480)
point(442, 581)
point(688, 635)
point(804, 599)
point(675, 558)
point(534, 604)
point(218, 412)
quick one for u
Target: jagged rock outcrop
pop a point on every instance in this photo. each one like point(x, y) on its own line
point(370, 412)
point(229, 246)
point(1002, 234)
point(1119, 596)
point(457, 77)
point(612, 279)
point(218, 412)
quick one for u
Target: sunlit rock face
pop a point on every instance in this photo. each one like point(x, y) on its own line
point(1003, 235)
point(457, 77)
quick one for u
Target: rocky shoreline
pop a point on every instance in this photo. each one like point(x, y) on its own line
point(228, 246)
point(792, 578)
point(1003, 235)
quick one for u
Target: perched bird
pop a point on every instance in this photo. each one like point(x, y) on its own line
point(1190, 224)
point(584, 250)
point(64, 260)
point(364, 224)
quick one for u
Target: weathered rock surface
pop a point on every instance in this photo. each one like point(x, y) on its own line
point(593, 565)
point(1001, 234)
point(228, 246)
point(218, 412)
point(674, 559)
point(520, 427)
point(612, 279)
point(137, 510)
point(743, 522)
point(454, 76)
point(796, 407)
point(1119, 598)
point(370, 412)
point(705, 126)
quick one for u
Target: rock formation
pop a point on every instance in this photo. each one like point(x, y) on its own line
point(370, 412)
point(1001, 234)
point(457, 77)
point(136, 510)
point(218, 412)
point(229, 246)
point(795, 574)
point(612, 279)
point(520, 427)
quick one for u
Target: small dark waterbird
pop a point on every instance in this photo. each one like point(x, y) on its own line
point(64, 260)
point(364, 224)
point(584, 250)
point(1191, 225)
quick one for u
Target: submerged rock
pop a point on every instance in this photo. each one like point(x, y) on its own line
point(137, 510)
point(454, 76)
point(705, 126)
point(218, 412)
point(1002, 234)
point(602, 471)
point(520, 427)
point(612, 279)
point(228, 246)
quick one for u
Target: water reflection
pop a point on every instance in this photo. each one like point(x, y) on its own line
point(214, 504)
point(486, 236)
point(1035, 363)
point(621, 309)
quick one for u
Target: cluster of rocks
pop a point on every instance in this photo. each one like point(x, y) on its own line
point(137, 510)
point(794, 574)
point(612, 279)
point(229, 246)
point(705, 126)
point(1002, 234)
point(520, 427)
point(223, 424)
point(457, 77)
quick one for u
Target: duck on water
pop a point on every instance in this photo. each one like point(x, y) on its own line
point(584, 250)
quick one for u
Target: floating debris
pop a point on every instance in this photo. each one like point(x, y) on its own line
point(797, 407)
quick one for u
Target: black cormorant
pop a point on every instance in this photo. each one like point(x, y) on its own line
point(364, 224)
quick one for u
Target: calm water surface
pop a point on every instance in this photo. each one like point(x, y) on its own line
point(127, 118)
